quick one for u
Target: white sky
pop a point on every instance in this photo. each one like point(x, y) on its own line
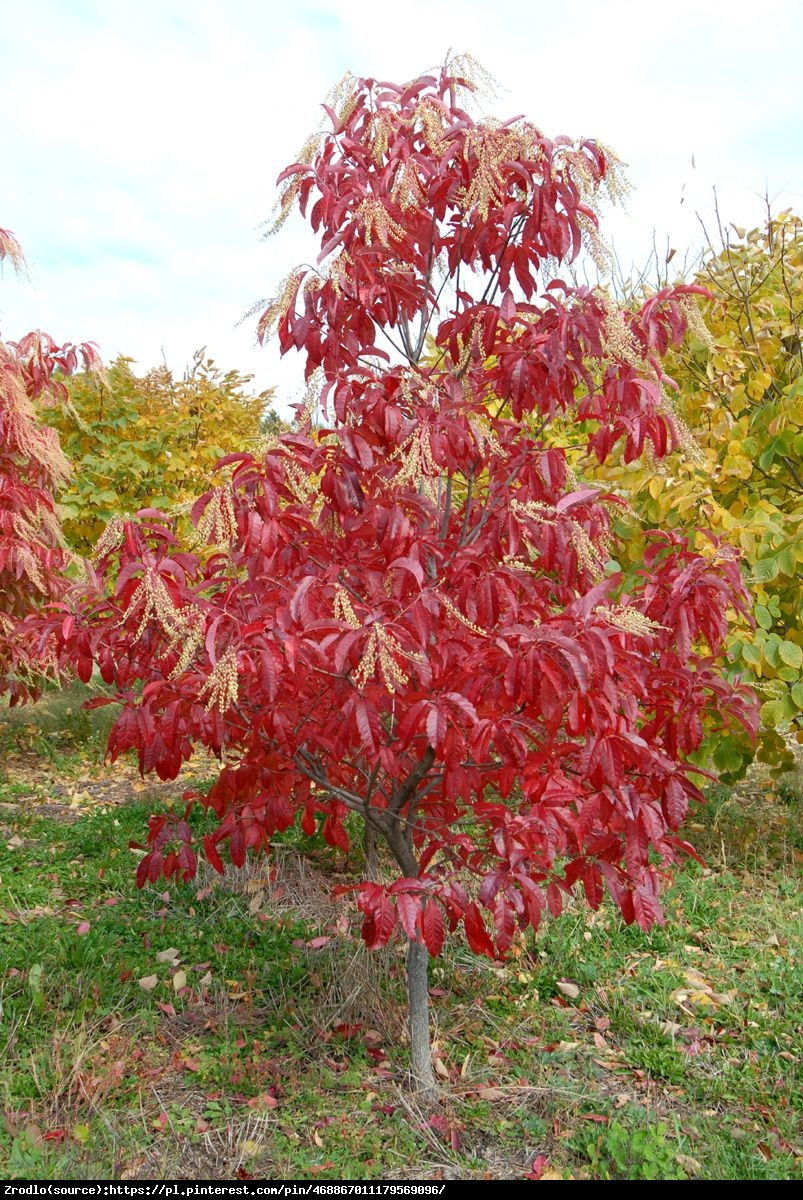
point(140, 140)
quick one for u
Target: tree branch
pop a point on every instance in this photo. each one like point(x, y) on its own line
point(404, 791)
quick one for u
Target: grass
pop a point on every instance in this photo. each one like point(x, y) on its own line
point(238, 1028)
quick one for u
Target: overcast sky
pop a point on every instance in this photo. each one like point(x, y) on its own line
point(140, 141)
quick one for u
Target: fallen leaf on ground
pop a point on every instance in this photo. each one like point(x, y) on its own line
point(169, 956)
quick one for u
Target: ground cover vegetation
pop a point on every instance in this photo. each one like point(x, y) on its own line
point(239, 1025)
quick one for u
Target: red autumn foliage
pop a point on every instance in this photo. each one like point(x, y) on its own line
point(32, 557)
point(407, 615)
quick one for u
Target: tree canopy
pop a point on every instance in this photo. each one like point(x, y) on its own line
point(148, 441)
point(33, 558)
point(740, 395)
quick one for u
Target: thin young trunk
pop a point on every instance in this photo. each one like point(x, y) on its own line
point(396, 830)
point(370, 850)
point(398, 835)
point(422, 1074)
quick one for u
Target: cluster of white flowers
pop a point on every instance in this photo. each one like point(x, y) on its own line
point(110, 539)
point(695, 322)
point(620, 342)
point(343, 608)
point(429, 115)
point(279, 305)
point(218, 523)
point(222, 684)
point(628, 619)
point(407, 190)
point(383, 648)
point(492, 150)
point(182, 626)
point(455, 612)
point(590, 556)
point(376, 222)
point(418, 468)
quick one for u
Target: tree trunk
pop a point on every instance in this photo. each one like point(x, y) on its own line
point(370, 850)
point(422, 1074)
point(397, 832)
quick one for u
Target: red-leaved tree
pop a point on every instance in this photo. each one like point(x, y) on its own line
point(407, 615)
point(32, 555)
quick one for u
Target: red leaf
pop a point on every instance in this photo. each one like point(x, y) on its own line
point(476, 932)
point(380, 919)
point(308, 821)
point(677, 803)
point(554, 899)
point(539, 1165)
point(505, 922)
point(237, 846)
point(409, 910)
point(507, 307)
point(365, 726)
point(436, 727)
point(411, 565)
point(432, 927)
point(212, 856)
point(335, 834)
point(592, 884)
